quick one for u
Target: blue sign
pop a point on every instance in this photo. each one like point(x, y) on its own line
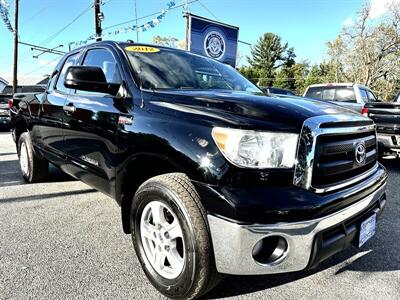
point(213, 39)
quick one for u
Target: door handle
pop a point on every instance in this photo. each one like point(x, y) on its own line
point(69, 108)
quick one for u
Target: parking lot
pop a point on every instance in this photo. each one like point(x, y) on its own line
point(63, 240)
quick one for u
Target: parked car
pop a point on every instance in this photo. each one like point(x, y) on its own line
point(277, 91)
point(349, 95)
point(3, 84)
point(386, 116)
point(212, 176)
point(6, 100)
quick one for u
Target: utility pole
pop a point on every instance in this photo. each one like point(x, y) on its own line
point(15, 71)
point(187, 16)
point(136, 17)
point(98, 17)
point(186, 6)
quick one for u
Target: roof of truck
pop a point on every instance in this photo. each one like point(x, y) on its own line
point(337, 84)
point(125, 44)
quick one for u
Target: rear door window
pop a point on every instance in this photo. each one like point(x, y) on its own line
point(70, 61)
point(314, 93)
point(364, 95)
point(328, 94)
point(345, 94)
point(52, 80)
point(371, 96)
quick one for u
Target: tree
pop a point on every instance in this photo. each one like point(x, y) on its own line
point(314, 76)
point(284, 77)
point(300, 72)
point(367, 52)
point(250, 73)
point(268, 55)
point(170, 41)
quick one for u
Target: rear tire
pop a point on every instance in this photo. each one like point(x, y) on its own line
point(33, 168)
point(181, 204)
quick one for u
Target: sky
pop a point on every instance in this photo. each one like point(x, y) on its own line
point(305, 24)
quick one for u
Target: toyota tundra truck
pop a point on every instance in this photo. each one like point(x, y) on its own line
point(212, 176)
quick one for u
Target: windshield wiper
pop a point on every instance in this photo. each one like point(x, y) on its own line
point(186, 88)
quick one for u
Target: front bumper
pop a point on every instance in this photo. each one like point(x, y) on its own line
point(388, 142)
point(234, 243)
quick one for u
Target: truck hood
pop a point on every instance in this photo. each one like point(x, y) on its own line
point(247, 110)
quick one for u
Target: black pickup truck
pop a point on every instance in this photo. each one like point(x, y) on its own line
point(386, 116)
point(6, 99)
point(212, 176)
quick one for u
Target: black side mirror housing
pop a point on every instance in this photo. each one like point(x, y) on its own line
point(89, 79)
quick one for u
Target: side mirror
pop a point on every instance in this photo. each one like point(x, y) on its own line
point(89, 79)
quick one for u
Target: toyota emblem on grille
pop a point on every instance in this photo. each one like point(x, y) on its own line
point(360, 153)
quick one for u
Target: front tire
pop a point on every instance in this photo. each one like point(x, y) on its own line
point(171, 238)
point(33, 168)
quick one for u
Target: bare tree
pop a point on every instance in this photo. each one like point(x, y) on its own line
point(368, 51)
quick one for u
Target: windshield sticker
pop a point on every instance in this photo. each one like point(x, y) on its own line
point(143, 49)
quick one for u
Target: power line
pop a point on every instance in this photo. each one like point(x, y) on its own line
point(106, 2)
point(35, 15)
point(209, 11)
point(43, 49)
point(215, 17)
point(53, 36)
point(148, 16)
point(41, 67)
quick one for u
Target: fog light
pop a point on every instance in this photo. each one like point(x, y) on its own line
point(270, 250)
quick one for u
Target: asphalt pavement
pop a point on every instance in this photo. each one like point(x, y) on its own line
point(61, 239)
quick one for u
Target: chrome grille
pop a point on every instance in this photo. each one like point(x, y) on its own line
point(335, 157)
point(326, 152)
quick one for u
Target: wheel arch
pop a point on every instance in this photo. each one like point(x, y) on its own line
point(135, 172)
point(21, 126)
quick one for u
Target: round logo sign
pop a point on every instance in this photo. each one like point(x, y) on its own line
point(214, 45)
point(360, 154)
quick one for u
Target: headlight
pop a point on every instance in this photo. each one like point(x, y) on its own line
point(259, 150)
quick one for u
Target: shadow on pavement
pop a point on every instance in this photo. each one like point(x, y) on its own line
point(10, 174)
point(392, 164)
point(46, 196)
point(380, 254)
point(8, 153)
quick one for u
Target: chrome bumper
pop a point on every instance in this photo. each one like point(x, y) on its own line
point(386, 140)
point(233, 243)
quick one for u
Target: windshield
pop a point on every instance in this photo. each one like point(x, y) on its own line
point(172, 69)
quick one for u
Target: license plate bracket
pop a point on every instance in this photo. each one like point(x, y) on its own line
point(367, 230)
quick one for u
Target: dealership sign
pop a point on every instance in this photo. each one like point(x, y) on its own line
point(213, 39)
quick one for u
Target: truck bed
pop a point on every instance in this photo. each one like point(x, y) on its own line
point(386, 116)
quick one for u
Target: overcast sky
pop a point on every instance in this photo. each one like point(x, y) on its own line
point(305, 24)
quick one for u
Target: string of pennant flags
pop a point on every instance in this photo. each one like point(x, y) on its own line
point(4, 12)
point(142, 28)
